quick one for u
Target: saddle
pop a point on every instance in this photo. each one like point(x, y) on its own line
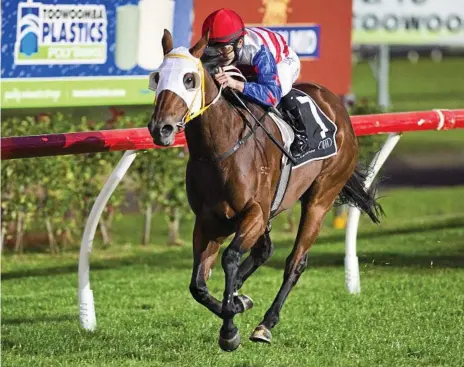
point(319, 129)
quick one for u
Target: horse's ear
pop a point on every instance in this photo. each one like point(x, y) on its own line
point(167, 42)
point(198, 49)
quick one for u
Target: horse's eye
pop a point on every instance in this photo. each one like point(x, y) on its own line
point(189, 81)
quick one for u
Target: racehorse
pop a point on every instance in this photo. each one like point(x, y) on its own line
point(231, 181)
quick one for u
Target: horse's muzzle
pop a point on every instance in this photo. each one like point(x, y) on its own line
point(163, 133)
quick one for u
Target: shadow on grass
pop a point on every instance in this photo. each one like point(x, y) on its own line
point(175, 259)
point(162, 260)
point(384, 259)
point(419, 228)
point(47, 319)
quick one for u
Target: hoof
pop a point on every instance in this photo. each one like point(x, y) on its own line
point(229, 345)
point(245, 302)
point(261, 334)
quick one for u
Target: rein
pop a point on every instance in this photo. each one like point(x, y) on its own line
point(240, 142)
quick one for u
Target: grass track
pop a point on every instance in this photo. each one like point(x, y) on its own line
point(410, 312)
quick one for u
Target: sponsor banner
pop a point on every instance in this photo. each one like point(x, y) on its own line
point(411, 22)
point(85, 53)
point(304, 39)
point(76, 92)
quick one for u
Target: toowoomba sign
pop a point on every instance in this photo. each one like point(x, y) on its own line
point(438, 22)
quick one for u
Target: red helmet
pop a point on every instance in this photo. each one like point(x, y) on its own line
point(224, 26)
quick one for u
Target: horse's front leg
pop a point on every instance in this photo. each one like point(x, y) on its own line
point(205, 250)
point(206, 244)
point(250, 228)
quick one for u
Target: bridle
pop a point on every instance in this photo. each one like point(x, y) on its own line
point(200, 93)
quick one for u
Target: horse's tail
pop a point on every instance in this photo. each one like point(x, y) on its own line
point(354, 193)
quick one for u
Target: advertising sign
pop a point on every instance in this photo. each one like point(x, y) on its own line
point(85, 53)
point(411, 22)
point(319, 32)
point(304, 40)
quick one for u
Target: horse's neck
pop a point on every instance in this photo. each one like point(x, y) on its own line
point(217, 129)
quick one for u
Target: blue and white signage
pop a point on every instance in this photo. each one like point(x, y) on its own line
point(60, 34)
point(304, 39)
point(85, 52)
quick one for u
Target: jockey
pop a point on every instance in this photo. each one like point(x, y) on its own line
point(275, 64)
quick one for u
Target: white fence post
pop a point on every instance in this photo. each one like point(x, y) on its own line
point(383, 80)
point(352, 279)
point(86, 304)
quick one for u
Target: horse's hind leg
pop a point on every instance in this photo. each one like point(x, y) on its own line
point(261, 251)
point(315, 204)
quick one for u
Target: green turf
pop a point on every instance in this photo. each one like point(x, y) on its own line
point(431, 142)
point(416, 87)
point(410, 311)
point(422, 86)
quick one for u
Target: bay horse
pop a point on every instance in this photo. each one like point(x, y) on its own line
point(230, 185)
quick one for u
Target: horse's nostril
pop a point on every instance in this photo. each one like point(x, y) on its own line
point(151, 126)
point(167, 130)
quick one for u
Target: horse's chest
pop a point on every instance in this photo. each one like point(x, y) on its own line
point(224, 192)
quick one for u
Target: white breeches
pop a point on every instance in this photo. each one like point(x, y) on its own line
point(288, 70)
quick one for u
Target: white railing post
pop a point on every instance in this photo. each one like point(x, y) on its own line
point(86, 304)
point(352, 278)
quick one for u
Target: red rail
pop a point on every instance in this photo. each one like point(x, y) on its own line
point(135, 139)
point(408, 121)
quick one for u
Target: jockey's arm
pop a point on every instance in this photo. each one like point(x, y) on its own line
point(267, 90)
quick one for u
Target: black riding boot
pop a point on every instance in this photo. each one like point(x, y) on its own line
point(289, 104)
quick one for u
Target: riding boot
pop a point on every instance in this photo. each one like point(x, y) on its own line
point(290, 106)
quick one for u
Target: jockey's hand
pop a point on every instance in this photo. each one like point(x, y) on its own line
point(227, 81)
